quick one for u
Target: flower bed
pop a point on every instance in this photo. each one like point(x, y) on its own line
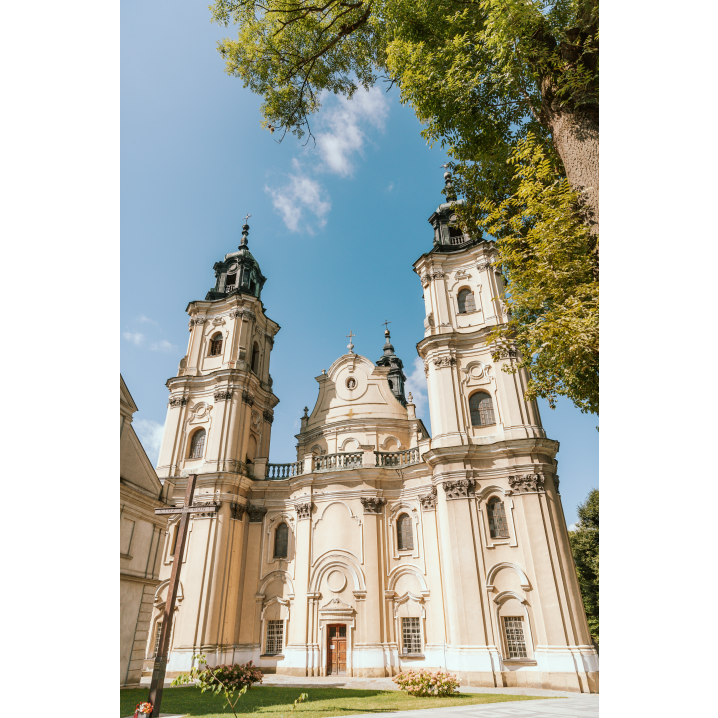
point(427, 683)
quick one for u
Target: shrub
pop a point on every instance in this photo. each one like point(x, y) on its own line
point(427, 683)
point(234, 677)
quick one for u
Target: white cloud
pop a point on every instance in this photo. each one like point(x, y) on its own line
point(150, 435)
point(416, 384)
point(341, 135)
point(390, 188)
point(145, 320)
point(344, 134)
point(300, 195)
point(135, 337)
point(572, 527)
point(163, 346)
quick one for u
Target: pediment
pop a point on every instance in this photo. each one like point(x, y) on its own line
point(336, 605)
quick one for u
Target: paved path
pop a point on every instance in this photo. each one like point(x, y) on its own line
point(579, 706)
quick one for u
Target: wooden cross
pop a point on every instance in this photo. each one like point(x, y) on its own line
point(386, 324)
point(160, 665)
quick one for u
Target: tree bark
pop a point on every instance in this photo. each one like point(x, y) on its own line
point(575, 137)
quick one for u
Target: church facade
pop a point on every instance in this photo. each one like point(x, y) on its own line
point(381, 548)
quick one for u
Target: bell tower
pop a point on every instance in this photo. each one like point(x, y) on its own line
point(505, 554)
point(221, 404)
point(463, 301)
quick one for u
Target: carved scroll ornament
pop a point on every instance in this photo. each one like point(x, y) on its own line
point(459, 489)
point(526, 484)
point(304, 511)
point(372, 504)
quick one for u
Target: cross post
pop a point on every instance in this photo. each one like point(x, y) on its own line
point(160, 665)
point(386, 324)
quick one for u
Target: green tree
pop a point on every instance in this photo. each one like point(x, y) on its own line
point(510, 89)
point(584, 545)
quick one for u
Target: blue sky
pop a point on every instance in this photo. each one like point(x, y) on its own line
point(335, 227)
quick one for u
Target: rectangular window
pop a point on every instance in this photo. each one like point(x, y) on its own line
point(275, 637)
point(175, 534)
point(411, 635)
point(514, 627)
point(127, 528)
point(158, 636)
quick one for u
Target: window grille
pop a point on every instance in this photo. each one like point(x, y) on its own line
point(514, 627)
point(215, 347)
point(411, 635)
point(275, 637)
point(467, 303)
point(482, 409)
point(197, 448)
point(281, 541)
point(498, 527)
point(404, 534)
point(158, 637)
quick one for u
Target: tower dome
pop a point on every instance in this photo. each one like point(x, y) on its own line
point(237, 273)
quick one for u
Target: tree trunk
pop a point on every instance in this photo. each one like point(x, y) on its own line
point(575, 137)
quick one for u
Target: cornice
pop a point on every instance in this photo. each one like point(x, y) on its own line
point(508, 447)
point(217, 307)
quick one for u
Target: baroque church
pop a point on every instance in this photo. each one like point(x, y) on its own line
point(382, 547)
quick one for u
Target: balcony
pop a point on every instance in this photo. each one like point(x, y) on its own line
point(398, 458)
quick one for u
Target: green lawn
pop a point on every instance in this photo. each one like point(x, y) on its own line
point(276, 701)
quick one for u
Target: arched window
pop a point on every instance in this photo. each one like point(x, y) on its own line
point(215, 346)
point(405, 538)
point(466, 301)
point(498, 528)
point(482, 409)
point(197, 446)
point(255, 357)
point(281, 541)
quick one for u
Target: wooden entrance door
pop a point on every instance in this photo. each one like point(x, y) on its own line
point(336, 650)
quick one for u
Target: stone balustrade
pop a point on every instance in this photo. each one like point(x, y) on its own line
point(278, 472)
point(347, 460)
point(398, 458)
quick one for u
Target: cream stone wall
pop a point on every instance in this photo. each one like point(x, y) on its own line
point(141, 537)
point(363, 461)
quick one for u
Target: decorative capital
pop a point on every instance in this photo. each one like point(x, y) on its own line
point(256, 513)
point(304, 511)
point(237, 511)
point(247, 398)
point(268, 416)
point(222, 395)
point(428, 501)
point(527, 484)
point(178, 401)
point(372, 504)
point(444, 361)
point(460, 489)
point(199, 320)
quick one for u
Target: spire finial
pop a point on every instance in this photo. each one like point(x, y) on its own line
point(350, 346)
point(245, 232)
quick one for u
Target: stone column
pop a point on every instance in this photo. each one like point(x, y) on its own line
point(249, 628)
point(368, 656)
point(435, 625)
point(297, 659)
point(464, 600)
